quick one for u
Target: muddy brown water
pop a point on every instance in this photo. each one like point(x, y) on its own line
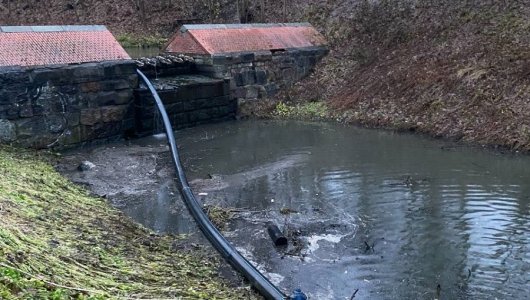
point(394, 216)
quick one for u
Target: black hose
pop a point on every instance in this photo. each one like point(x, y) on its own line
point(229, 253)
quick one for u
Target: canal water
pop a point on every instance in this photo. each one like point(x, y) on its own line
point(137, 52)
point(379, 214)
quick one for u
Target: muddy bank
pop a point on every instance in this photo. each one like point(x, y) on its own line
point(58, 242)
point(390, 215)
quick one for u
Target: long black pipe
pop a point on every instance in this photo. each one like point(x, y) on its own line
point(229, 253)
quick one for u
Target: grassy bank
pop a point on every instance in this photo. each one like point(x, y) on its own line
point(58, 242)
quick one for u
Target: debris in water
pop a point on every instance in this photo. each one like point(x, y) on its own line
point(86, 166)
point(354, 293)
point(287, 211)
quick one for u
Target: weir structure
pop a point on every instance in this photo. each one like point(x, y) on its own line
point(65, 86)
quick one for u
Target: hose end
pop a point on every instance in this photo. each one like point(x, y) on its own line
point(298, 295)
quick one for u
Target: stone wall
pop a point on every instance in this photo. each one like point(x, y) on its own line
point(189, 100)
point(257, 75)
point(66, 105)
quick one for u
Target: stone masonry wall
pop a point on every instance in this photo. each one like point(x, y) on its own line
point(66, 105)
point(189, 100)
point(258, 75)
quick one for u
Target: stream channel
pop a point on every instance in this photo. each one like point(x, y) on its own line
point(394, 216)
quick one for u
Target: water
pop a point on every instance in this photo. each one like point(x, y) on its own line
point(137, 52)
point(395, 216)
point(435, 214)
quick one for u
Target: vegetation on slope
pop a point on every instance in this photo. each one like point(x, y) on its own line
point(454, 69)
point(449, 68)
point(58, 242)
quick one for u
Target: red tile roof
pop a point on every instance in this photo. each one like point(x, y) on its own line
point(216, 39)
point(46, 45)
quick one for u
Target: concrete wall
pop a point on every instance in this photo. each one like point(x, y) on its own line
point(258, 75)
point(66, 105)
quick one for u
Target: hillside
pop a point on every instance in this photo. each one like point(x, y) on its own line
point(449, 68)
point(455, 69)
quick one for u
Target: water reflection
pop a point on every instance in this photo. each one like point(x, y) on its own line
point(457, 218)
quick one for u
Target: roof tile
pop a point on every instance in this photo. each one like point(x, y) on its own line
point(46, 45)
point(227, 38)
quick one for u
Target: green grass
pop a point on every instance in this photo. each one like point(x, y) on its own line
point(58, 242)
point(302, 111)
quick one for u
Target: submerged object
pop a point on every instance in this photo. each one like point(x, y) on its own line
point(298, 295)
point(278, 238)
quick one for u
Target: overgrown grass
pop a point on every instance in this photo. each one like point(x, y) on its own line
point(58, 242)
point(302, 111)
point(129, 40)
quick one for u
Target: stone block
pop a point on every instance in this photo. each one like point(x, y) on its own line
point(73, 118)
point(56, 123)
point(118, 68)
point(288, 75)
point(261, 76)
point(227, 110)
point(263, 56)
point(247, 57)
point(262, 92)
point(188, 105)
point(180, 119)
point(124, 97)
point(72, 136)
point(174, 108)
point(106, 98)
point(88, 72)
point(133, 80)
point(238, 79)
point(90, 86)
point(31, 127)
point(240, 92)
point(90, 116)
point(211, 90)
point(271, 89)
point(115, 84)
point(252, 92)
point(220, 101)
point(13, 75)
point(221, 59)
point(12, 113)
point(8, 131)
point(113, 113)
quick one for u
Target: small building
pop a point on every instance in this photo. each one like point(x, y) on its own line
point(50, 45)
point(219, 39)
point(259, 59)
point(63, 86)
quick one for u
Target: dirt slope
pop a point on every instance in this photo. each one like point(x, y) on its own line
point(458, 69)
point(451, 68)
